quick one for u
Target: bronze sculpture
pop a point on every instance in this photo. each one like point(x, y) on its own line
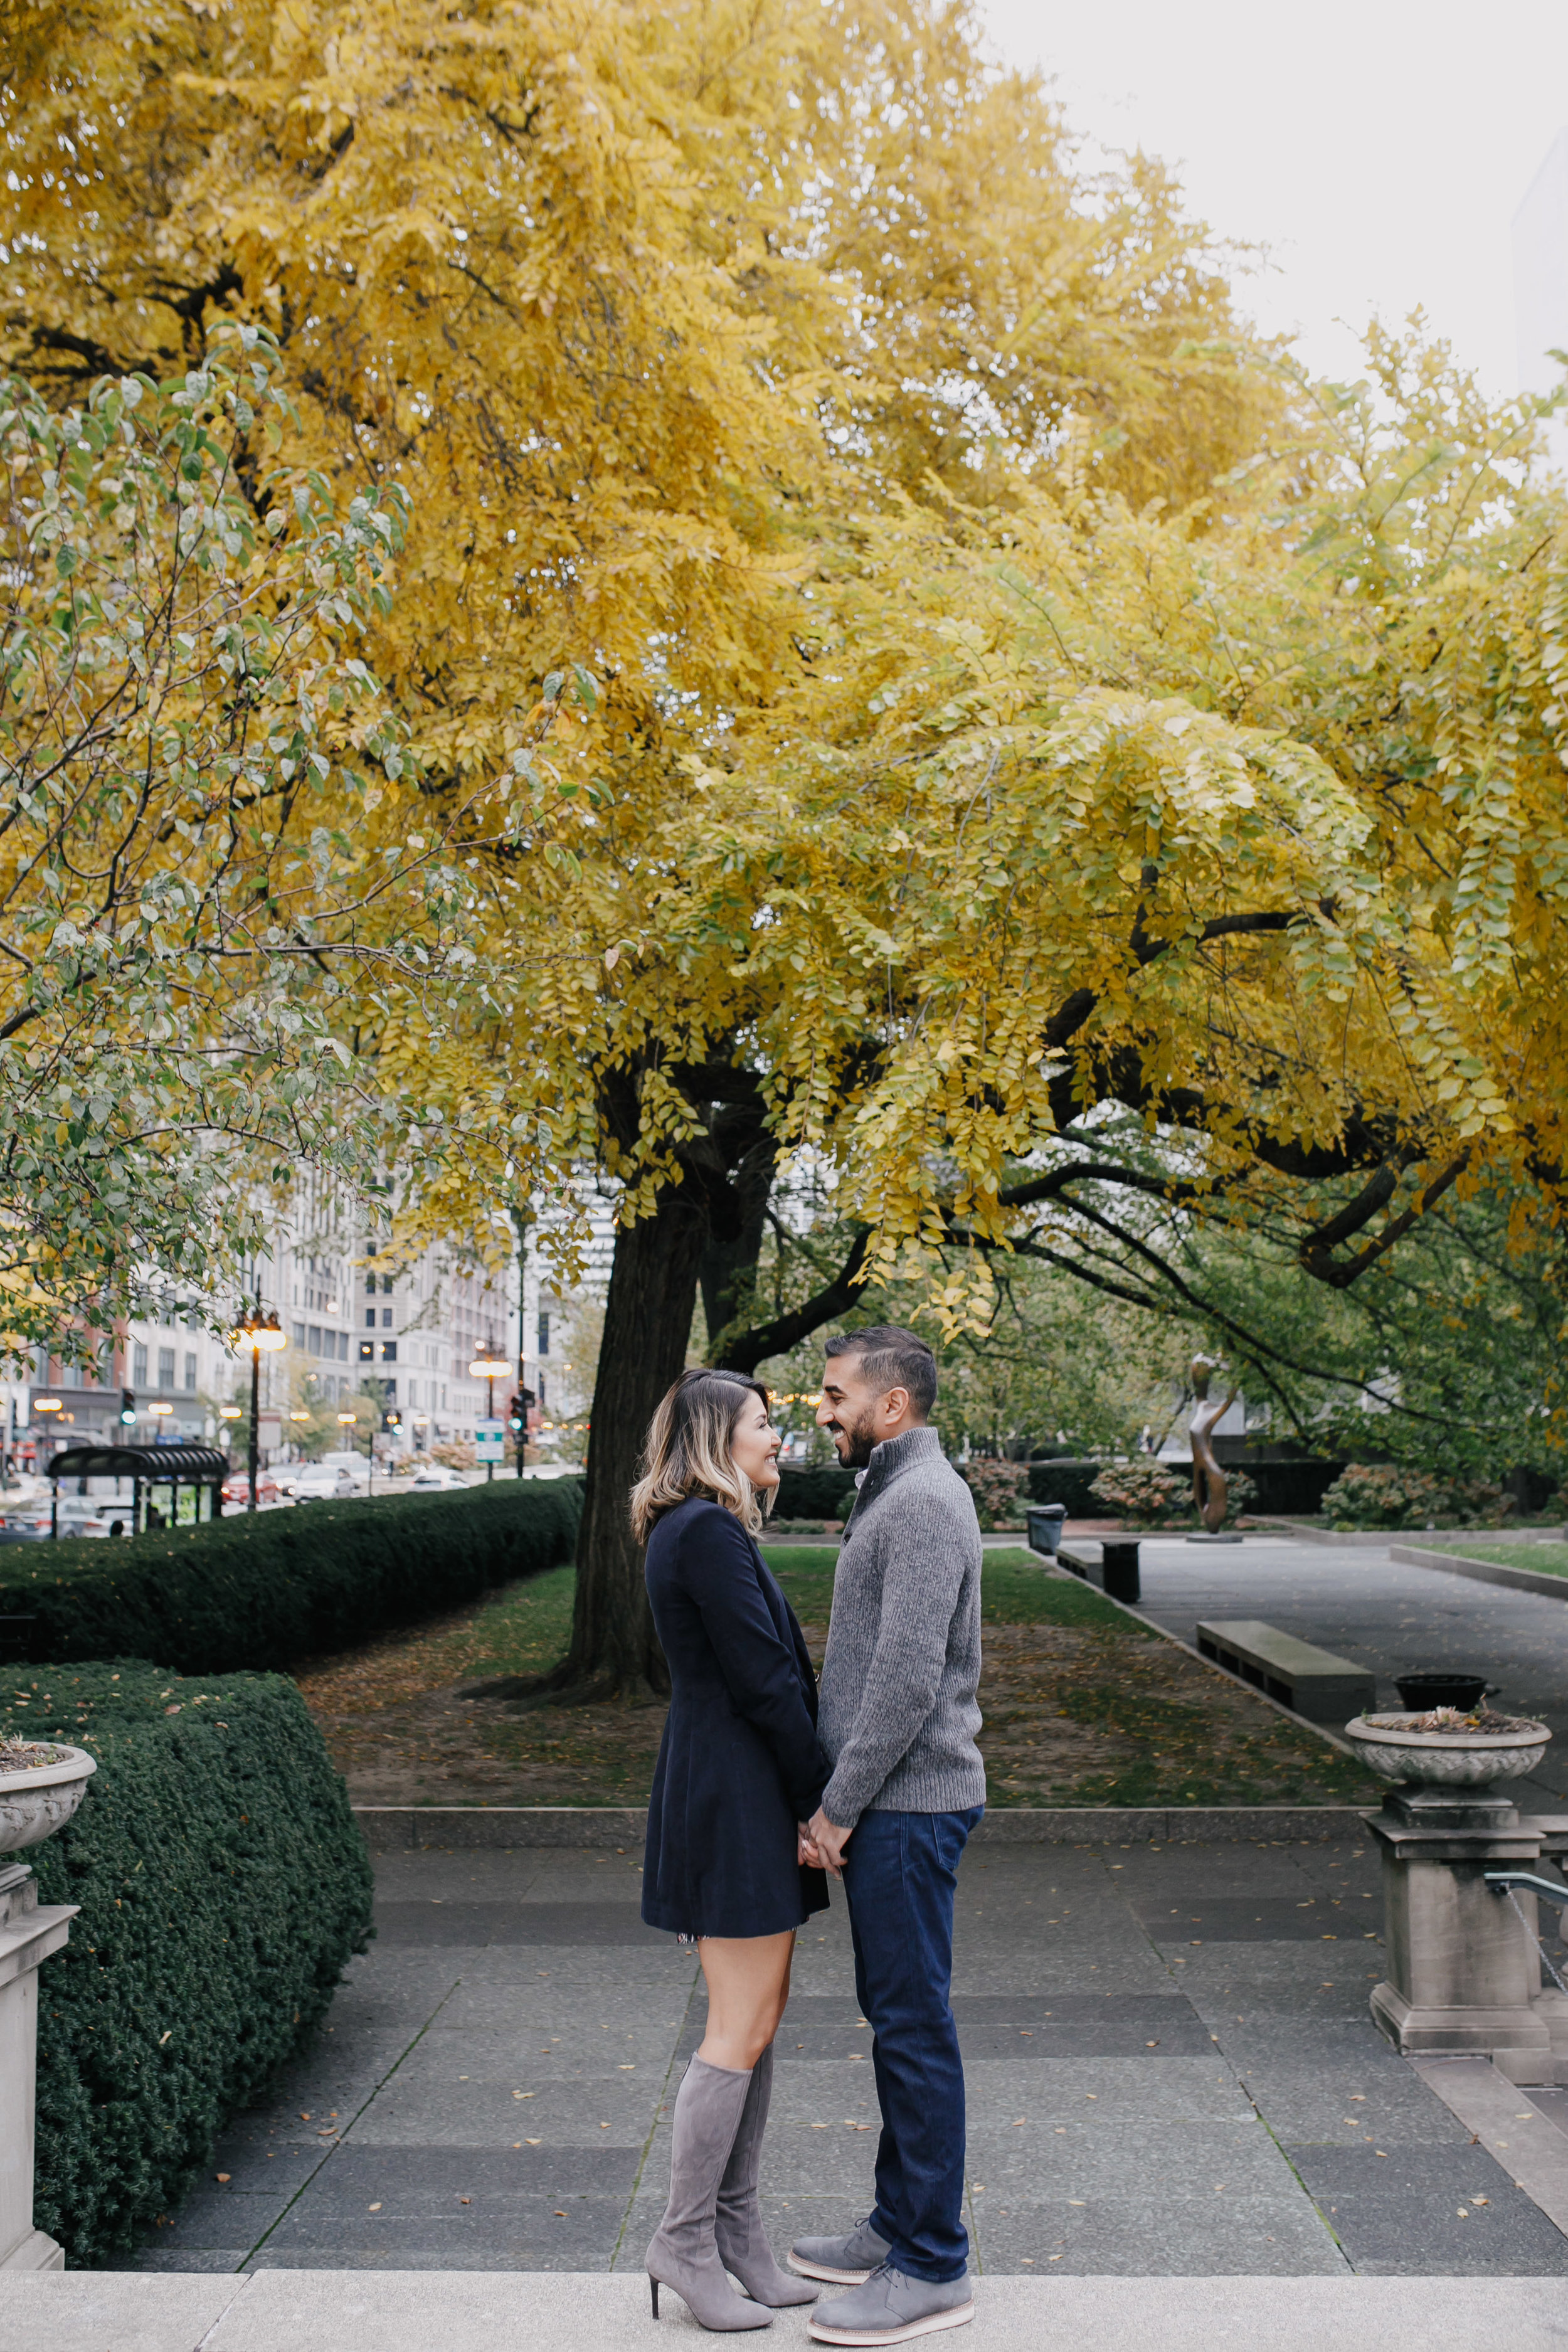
point(1210, 1493)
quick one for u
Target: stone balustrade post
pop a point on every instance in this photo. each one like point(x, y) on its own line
point(1464, 1969)
point(29, 1932)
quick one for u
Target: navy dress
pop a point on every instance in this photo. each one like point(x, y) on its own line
point(739, 1763)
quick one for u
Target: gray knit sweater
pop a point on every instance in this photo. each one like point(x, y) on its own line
point(897, 1715)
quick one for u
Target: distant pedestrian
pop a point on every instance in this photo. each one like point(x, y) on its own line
point(900, 1717)
point(740, 1772)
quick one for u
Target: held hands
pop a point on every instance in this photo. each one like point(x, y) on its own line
point(822, 1843)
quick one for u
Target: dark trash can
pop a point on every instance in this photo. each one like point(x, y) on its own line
point(1045, 1522)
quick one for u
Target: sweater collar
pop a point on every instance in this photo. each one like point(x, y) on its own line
point(895, 1454)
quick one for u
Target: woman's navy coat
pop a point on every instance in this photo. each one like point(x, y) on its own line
point(739, 1764)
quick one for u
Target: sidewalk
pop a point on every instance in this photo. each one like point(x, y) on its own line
point(1172, 2074)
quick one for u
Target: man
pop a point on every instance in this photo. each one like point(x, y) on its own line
point(897, 1721)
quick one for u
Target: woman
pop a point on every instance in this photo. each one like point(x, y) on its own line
point(739, 1771)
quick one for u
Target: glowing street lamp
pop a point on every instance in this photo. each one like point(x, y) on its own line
point(263, 1334)
point(490, 1368)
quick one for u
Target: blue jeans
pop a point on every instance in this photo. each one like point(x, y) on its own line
point(900, 1872)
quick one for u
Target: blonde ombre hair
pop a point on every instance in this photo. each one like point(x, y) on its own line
point(688, 1451)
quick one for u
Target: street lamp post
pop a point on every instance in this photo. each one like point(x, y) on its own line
point(264, 1335)
point(490, 1368)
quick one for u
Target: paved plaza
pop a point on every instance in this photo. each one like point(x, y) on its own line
point(1171, 2072)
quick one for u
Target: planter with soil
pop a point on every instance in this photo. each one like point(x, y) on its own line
point(41, 1785)
point(1446, 1748)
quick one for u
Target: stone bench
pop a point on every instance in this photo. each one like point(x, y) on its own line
point(1113, 1566)
point(1307, 1680)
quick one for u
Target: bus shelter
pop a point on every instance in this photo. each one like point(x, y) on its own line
point(148, 1467)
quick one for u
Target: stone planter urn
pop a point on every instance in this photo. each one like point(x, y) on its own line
point(1464, 1968)
point(1444, 1760)
point(36, 1801)
point(36, 1797)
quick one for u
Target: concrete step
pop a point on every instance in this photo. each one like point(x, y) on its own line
point(567, 2311)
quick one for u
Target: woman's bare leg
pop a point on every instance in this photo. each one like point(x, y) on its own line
point(747, 1985)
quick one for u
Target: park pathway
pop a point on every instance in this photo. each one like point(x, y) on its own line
point(1382, 1613)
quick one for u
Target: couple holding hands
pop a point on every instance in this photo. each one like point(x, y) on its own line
point(762, 1790)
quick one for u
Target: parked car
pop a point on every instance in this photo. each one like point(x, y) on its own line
point(236, 1490)
point(435, 1478)
point(319, 1482)
point(29, 1521)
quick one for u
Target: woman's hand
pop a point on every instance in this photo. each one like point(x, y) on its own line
point(805, 1850)
point(828, 1842)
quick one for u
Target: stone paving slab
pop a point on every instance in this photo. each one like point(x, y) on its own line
point(466, 2311)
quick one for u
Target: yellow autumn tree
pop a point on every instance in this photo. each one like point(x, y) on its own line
point(641, 308)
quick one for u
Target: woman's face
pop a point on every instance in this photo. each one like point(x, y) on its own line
point(754, 1444)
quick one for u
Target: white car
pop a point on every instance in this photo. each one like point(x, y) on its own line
point(435, 1478)
point(319, 1482)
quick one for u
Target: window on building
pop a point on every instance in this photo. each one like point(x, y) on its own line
point(315, 1340)
point(367, 1352)
point(370, 1318)
point(190, 1371)
point(138, 1365)
point(545, 1335)
point(342, 1347)
point(389, 1351)
point(370, 1286)
point(165, 1368)
point(386, 1284)
point(386, 1315)
point(296, 1333)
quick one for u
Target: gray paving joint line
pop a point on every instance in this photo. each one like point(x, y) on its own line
point(327, 2154)
point(646, 2148)
point(245, 2279)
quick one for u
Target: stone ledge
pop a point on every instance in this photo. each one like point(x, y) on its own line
point(391, 1829)
point(1483, 1571)
point(565, 2310)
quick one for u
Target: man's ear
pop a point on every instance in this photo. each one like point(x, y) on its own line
point(897, 1401)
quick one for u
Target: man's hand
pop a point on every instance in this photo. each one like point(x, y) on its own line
point(829, 1841)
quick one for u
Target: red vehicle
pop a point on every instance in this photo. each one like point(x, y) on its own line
point(237, 1491)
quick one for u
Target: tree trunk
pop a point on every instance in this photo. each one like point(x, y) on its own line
point(648, 1323)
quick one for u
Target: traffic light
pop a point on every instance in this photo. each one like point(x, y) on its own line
point(128, 1407)
point(517, 1411)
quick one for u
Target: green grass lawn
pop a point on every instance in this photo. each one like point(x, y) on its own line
point(1545, 1559)
point(1083, 1706)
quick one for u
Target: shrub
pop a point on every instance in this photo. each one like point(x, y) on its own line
point(223, 1884)
point(823, 1492)
point(999, 1490)
point(260, 1589)
point(1381, 1494)
point(1144, 1492)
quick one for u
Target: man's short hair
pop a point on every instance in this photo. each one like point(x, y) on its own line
point(891, 1357)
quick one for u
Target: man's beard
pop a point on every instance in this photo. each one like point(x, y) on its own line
point(859, 1441)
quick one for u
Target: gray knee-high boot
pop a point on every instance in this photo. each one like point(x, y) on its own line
point(738, 2230)
point(682, 2253)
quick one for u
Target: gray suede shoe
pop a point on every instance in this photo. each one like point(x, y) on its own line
point(848, 2262)
point(891, 2309)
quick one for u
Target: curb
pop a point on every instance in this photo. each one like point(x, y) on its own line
point(393, 1829)
point(1483, 1571)
point(1374, 1538)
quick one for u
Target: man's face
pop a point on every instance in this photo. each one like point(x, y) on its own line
point(849, 1409)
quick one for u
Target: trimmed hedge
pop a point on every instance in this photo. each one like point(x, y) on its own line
point(223, 1884)
point(261, 1590)
point(823, 1493)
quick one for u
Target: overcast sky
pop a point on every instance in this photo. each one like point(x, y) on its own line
point(1378, 148)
